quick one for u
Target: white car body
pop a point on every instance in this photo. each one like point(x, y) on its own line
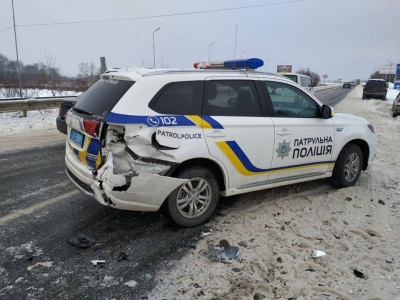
point(137, 149)
point(303, 80)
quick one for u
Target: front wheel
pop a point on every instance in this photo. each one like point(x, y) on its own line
point(195, 201)
point(348, 167)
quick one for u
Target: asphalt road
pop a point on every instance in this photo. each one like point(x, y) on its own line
point(332, 96)
point(41, 210)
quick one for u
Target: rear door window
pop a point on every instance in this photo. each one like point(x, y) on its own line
point(179, 98)
point(102, 96)
point(231, 98)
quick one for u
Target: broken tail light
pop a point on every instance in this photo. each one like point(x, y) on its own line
point(91, 127)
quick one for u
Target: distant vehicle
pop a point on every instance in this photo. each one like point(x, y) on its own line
point(347, 85)
point(375, 88)
point(63, 107)
point(396, 106)
point(352, 83)
point(303, 80)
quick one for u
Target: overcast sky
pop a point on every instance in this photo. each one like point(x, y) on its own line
point(345, 39)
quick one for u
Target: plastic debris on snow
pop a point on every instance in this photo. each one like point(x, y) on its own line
point(205, 233)
point(224, 253)
point(97, 262)
point(318, 253)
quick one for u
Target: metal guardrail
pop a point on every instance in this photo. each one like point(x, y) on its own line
point(25, 104)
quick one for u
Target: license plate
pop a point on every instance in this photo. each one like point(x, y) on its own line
point(77, 137)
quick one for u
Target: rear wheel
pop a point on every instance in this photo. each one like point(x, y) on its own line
point(348, 166)
point(363, 96)
point(195, 201)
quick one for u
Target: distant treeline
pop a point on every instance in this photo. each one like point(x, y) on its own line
point(43, 75)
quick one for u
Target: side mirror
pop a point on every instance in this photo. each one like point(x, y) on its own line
point(327, 112)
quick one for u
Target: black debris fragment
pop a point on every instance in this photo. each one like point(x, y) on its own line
point(224, 244)
point(371, 233)
point(258, 296)
point(309, 270)
point(381, 202)
point(30, 258)
point(196, 285)
point(82, 241)
point(348, 199)
point(292, 298)
point(236, 270)
point(122, 256)
point(359, 274)
point(192, 245)
point(243, 244)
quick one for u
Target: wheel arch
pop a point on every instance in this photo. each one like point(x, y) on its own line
point(364, 149)
point(207, 163)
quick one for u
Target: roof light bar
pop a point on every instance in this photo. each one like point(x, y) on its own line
point(249, 63)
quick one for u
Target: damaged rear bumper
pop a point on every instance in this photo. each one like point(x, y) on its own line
point(140, 191)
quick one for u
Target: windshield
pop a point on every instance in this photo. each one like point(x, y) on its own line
point(102, 96)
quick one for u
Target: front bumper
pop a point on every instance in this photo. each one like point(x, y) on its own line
point(61, 125)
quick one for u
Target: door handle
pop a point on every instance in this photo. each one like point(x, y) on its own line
point(216, 134)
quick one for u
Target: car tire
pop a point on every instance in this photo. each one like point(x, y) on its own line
point(394, 115)
point(363, 96)
point(384, 98)
point(196, 206)
point(348, 166)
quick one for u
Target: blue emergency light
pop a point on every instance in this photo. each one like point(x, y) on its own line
point(249, 63)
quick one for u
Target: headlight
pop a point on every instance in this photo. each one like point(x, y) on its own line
point(371, 128)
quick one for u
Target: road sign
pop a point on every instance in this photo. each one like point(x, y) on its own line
point(388, 69)
point(284, 69)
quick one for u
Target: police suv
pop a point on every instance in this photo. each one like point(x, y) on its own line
point(142, 138)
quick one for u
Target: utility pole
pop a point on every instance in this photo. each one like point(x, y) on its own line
point(16, 50)
point(209, 47)
point(234, 51)
point(154, 50)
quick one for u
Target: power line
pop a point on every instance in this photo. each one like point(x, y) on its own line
point(161, 16)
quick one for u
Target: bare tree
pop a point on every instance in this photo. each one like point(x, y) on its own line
point(315, 78)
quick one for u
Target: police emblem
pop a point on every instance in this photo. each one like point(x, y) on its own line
point(283, 149)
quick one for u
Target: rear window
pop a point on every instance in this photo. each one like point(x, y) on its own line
point(376, 83)
point(305, 81)
point(102, 96)
point(292, 77)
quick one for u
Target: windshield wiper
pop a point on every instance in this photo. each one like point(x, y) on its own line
point(82, 111)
